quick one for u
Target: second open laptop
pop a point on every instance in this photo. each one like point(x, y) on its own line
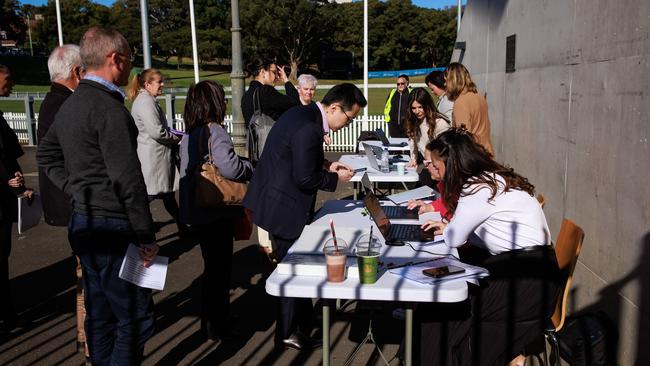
point(394, 233)
point(393, 212)
point(384, 140)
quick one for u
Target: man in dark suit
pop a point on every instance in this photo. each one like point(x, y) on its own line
point(283, 189)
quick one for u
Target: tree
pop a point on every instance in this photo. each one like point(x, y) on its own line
point(11, 21)
point(289, 29)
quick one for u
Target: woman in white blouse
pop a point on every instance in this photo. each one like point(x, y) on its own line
point(423, 123)
point(493, 208)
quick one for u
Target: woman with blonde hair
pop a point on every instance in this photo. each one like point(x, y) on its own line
point(470, 108)
point(423, 123)
point(156, 143)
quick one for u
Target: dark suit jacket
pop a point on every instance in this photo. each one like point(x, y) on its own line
point(57, 207)
point(10, 151)
point(290, 173)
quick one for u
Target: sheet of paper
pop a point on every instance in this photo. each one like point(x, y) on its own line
point(413, 194)
point(414, 272)
point(29, 212)
point(134, 271)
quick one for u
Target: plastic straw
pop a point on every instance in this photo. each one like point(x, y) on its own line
point(336, 246)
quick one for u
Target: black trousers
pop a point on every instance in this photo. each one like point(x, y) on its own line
point(7, 312)
point(169, 201)
point(503, 315)
point(216, 241)
point(396, 130)
point(293, 313)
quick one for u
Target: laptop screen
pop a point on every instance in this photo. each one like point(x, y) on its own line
point(377, 214)
point(382, 136)
point(372, 159)
point(365, 182)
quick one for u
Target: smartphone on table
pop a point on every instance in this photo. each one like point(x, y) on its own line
point(439, 272)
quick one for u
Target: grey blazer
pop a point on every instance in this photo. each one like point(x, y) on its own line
point(155, 145)
point(229, 164)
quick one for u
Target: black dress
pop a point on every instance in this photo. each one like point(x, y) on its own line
point(10, 151)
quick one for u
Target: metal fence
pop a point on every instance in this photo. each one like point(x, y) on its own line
point(344, 140)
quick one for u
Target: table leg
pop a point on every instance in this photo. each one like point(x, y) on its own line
point(408, 352)
point(354, 187)
point(326, 334)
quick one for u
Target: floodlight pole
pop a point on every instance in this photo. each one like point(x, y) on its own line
point(144, 20)
point(365, 63)
point(237, 84)
point(195, 52)
point(460, 9)
point(58, 22)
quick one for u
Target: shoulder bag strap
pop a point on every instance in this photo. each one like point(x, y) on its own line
point(257, 106)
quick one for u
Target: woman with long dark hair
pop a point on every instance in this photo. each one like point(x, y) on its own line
point(213, 228)
point(492, 208)
point(423, 123)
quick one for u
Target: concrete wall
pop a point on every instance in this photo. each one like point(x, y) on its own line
point(574, 119)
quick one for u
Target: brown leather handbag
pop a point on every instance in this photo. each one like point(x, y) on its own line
point(213, 190)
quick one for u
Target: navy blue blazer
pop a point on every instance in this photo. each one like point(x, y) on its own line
point(290, 173)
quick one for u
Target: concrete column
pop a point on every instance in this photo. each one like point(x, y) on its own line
point(169, 109)
point(30, 121)
point(237, 84)
point(144, 20)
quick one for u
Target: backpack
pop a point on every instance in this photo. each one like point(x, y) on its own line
point(588, 340)
point(258, 129)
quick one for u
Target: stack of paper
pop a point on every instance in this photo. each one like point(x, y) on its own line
point(313, 265)
point(414, 272)
point(134, 271)
point(413, 194)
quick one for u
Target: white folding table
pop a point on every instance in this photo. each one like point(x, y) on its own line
point(361, 161)
point(392, 140)
point(389, 287)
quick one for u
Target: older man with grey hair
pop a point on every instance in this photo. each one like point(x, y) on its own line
point(64, 65)
point(90, 153)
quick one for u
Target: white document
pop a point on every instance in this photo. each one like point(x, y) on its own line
point(134, 271)
point(413, 194)
point(414, 272)
point(30, 211)
point(313, 237)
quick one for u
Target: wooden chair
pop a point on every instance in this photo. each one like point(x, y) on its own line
point(567, 249)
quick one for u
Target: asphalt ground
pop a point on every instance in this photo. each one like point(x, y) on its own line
point(42, 275)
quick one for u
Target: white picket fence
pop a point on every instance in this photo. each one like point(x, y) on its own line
point(344, 140)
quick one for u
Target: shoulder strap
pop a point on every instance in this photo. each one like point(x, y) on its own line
point(201, 139)
point(257, 106)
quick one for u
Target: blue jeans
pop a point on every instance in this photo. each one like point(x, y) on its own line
point(119, 315)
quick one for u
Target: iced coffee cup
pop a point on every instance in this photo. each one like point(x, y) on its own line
point(335, 257)
point(367, 250)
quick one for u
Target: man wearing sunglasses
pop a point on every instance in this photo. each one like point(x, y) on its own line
point(397, 106)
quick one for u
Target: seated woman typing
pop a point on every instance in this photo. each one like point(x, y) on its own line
point(493, 208)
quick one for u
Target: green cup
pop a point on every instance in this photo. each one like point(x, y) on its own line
point(368, 252)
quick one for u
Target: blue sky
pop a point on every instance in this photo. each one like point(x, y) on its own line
point(422, 3)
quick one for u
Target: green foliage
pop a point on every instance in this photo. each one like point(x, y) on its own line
point(295, 32)
point(11, 20)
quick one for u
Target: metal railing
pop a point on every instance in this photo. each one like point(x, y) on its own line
point(343, 140)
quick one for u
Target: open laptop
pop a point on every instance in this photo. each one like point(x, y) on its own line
point(395, 234)
point(384, 140)
point(372, 157)
point(393, 212)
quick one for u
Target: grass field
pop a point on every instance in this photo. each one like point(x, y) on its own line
point(183, 78)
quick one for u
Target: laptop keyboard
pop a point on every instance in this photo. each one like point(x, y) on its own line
point(405, 232)
point(398, 212)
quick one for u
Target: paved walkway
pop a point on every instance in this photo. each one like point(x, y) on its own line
point(43, 282)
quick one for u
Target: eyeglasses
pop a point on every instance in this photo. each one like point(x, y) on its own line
point(131, 57)
point(350, 119)
point(398, 84)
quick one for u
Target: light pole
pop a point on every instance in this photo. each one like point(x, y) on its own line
point(237, 83)
point(195, 51)
point(144, 20)
point(29, 32)
point(58, 22)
